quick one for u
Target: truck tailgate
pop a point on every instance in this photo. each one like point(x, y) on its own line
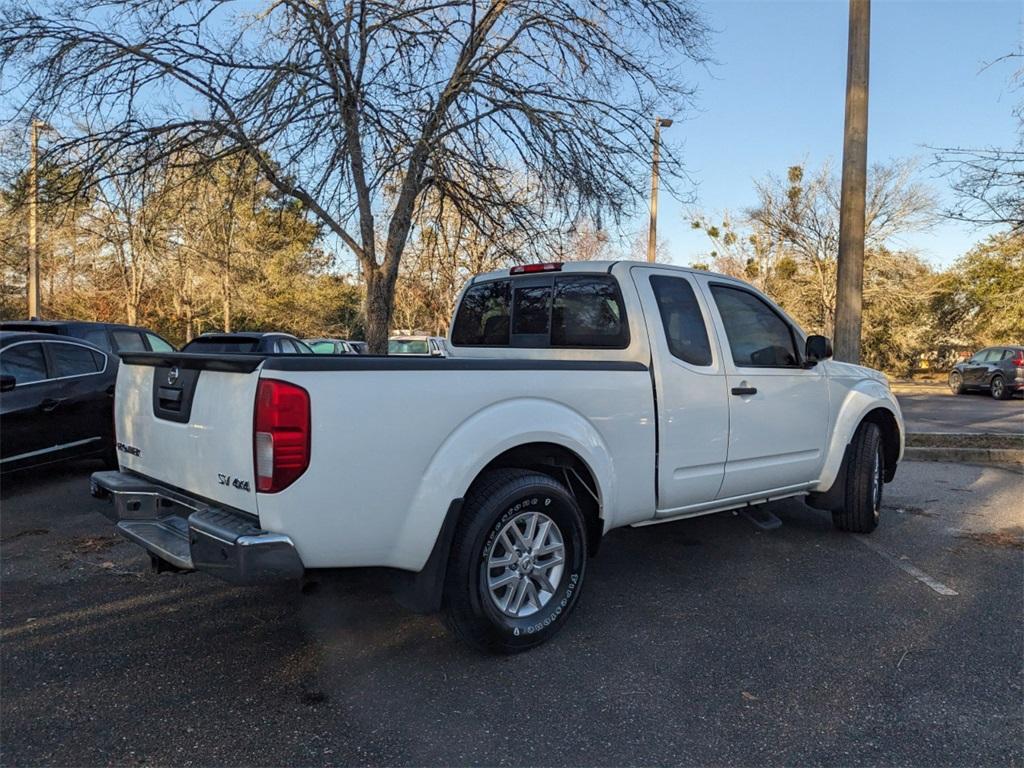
point(187, 420)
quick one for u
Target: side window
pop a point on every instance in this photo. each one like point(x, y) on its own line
point(129, 341)
point(588, 312)
point(157, 344)
point(684, 325)
point(758, 337)
point(992, 355)
point(483, 317)
point(72, 360)
point(25, 362)
point(98, 337)
point(323, 347)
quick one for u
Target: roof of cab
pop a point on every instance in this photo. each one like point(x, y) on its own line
point(591, 267)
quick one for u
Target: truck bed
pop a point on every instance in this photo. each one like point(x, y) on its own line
point(394, 440)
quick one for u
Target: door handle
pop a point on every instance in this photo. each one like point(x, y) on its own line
point(744, 390)
point(49, 403)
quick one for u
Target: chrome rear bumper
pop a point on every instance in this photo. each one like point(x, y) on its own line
point(193, 535)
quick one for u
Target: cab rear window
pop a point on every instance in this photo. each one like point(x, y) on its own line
point(567, 311)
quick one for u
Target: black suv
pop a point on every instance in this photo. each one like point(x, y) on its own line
point(1000, 370)
point(110, 337)
point(248, 343)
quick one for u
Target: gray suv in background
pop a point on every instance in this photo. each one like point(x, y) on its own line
point(1000, 370)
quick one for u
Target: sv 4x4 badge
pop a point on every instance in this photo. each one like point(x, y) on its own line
point(234, 482)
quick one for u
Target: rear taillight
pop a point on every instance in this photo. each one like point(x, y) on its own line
point(1019, 360)
point(280, 440)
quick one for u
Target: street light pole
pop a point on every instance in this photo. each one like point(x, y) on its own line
point(850, 273)
point(33, 203)
point(652, 234)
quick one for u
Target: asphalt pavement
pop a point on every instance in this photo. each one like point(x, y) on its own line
point(700, 642)
point(933, 408)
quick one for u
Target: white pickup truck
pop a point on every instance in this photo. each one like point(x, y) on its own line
point(578, 398)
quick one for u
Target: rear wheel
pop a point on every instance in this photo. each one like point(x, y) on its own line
point(865, 474)
point(956, 383)
point(999, 389)
point(517, 562)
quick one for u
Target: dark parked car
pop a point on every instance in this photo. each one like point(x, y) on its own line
point(247, 343)
point(1000, 370)
point(110, 337)
point(332, 347)
point(56, 400)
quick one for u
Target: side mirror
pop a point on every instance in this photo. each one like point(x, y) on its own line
point(817, 348)
point(7, 382)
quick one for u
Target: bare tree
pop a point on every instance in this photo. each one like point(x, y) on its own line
point(357, 109)
point(989, 181)
point(801, 214)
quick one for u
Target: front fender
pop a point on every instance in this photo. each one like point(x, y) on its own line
point(860, 399)
point(482, 437)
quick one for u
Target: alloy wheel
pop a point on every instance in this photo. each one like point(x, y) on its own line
point(525, 564)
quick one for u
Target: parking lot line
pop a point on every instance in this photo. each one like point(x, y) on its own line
point(908, 567)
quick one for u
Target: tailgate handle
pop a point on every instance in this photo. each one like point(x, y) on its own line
point(169, 395)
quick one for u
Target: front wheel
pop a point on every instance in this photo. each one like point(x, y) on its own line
point(999, 389)
point(862, 504)
point(517, 562)
point(956, 383)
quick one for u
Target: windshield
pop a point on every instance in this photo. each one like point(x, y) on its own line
point(408, 347)
point(222, 345)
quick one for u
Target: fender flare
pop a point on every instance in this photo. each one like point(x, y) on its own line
point(485, 435)
point(865, 396)
point(460, 459)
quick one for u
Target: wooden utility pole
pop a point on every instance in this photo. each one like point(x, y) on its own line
point(850, 286)
point(652, 234)
point(33, 204)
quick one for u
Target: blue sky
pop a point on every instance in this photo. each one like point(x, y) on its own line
point(775, 98)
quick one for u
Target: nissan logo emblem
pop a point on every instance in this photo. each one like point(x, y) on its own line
point(172, 375)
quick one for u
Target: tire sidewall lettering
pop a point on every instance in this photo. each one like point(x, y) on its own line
point(554, 610)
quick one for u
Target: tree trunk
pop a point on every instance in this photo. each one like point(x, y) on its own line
point(226, 287)
point(380, 293)
point(190, 330)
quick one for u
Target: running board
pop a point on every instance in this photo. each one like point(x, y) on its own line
point(762, 518)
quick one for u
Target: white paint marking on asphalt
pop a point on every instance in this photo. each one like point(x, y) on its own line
point(908, 567)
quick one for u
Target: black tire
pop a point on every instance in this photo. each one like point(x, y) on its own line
point(956, 383)
point(862, 503)
point(497, 500)
point(998, 388)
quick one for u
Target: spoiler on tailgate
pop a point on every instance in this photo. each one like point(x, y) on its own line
point(197, 361)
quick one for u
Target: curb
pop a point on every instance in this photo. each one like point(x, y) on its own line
point(999, 440)
point(966, 455)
